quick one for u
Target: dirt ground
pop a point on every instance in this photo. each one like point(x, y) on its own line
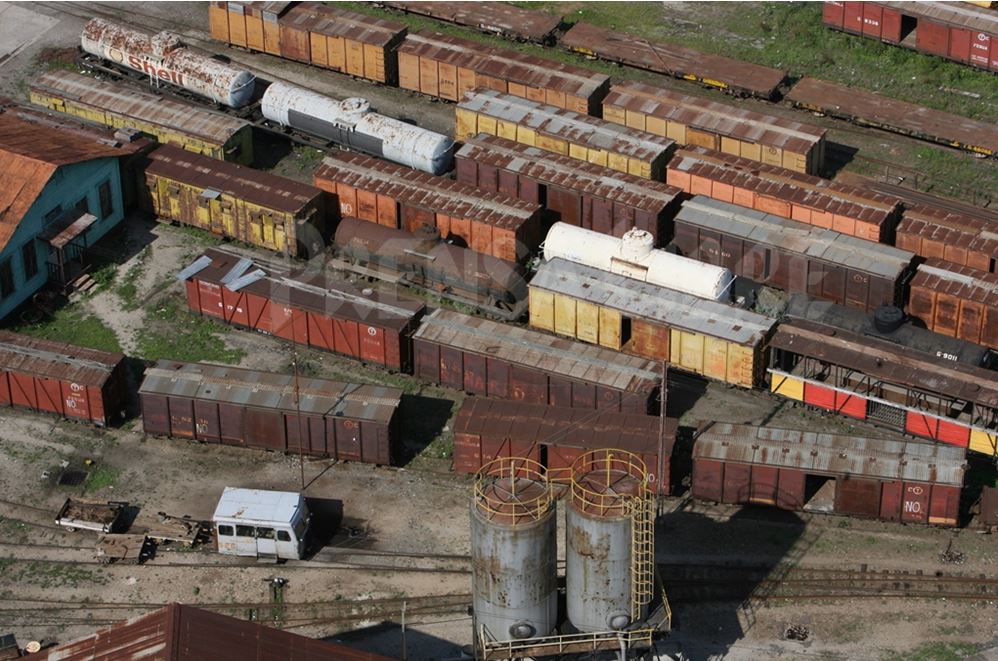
point(52, 591)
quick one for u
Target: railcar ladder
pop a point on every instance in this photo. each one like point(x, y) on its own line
point(642, 555)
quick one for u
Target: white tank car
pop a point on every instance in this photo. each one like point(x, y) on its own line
point(351, 122)
point(634, 256)
point(163, 56)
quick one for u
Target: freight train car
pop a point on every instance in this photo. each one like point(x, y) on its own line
point(563, 132)
point(691, 120)
point(956, 301)
point(793, 256)
point(252, 25)
point(499, 18)
point(266, 411)
point(870, 109)
point(956, 238)
point(196, 129)
point(482, 357)
point(397, 197)
point(447, 67)
point(820, 202)
point(236, 202)
point(735, 76)
point(53, 377)
point(698, 335)
point(486, 429)
point(304, 306)
point(580, 194)
point(850, 475)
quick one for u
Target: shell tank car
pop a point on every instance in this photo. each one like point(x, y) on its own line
point(164, 57)
point(352, 123)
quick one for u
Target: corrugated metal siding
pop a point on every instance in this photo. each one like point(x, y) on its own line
point(957, 238)
point(336, 22)
point(979, 19)
point(56, 360)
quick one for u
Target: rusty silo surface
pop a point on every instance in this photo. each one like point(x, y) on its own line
point(610, 550)
point(513, 551)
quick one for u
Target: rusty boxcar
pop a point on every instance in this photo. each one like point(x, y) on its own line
point(956, 301)
point(252, 25)
point(792, 256)
point(698, 335)
point(870, 109)
point(691, 120)
point(304, 306)
point(820, 202)
point(486, 429)
point(952, 237)
point(581, 194)
point(445, 66)
point(563, 132)
point(53, 377)
point(487, 358)
point(736, 76)
point(499, 18)
point(236, 202)
point(884, 383)
point(395, 196)
point(850, 475)
point(172, 122)
point(246, 408)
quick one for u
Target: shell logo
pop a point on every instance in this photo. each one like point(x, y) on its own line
point(116, 55)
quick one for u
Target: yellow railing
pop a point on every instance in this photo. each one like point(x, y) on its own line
point(566, 644)
point(516, 507)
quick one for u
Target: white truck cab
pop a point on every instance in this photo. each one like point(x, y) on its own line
point(256, 522)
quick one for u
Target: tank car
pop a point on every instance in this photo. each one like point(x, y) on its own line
point(164, 57)
point(634, 256)
point(430, 262)
point(352, 123)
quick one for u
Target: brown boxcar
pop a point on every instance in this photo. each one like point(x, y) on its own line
point(486, 429)
point(870, 109)
point(956, 301)
point(445, 66)
point(792, 256)
point(563, 132)
point(812, 200)
point(499, 18)
point(691, 120)
point(236, 202)
point(952, 237)
point(487, 358)
point(70, 381)
point(252, 25)
point(246, 408)
point(306, 307)
point(573, 192)
point(396, 196)
point(870, 477)
point(737, 76)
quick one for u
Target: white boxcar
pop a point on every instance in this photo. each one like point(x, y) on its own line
point(255, 522)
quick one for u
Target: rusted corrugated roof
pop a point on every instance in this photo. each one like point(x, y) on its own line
point(56, 360)
point(571, 173)
point(536, 350)
point(184, 633)
point(254, 186)
point(104, 96)
point(953, 230)
point(961, 282)
point(335, 22)
point(832, 454)
point(500, 17)
point(260, 7)
point(960, 14)
point(267, 390)
point(33, 145)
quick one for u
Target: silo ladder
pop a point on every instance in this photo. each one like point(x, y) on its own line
point(642, 555)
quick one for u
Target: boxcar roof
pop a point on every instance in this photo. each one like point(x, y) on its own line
point(567, 125)
point(491, 16)
point(836, 454)
point(266, 390)
point(653, 302)
point(965, 15)
point(257, 505)
point(959, 281)
point(253, 186)
point(533, 349)
point(56, 360)
point(336, 22)
point(107, 96)
point(792, 236)
point(308, 289)
point(886, 361)
point(715, 117)
point(571, 173)
point(953, 230)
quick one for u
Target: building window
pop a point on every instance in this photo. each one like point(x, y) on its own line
point(83, 206)
point(6, 279)
point(29, 259)
point(52, 215)
point(106, 203)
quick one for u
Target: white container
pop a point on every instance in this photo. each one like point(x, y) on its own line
point(255, 522)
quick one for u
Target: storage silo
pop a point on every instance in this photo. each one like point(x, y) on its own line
point(610, 541)
point(513, 551)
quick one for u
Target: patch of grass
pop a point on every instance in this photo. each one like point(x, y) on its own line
point(196, 236)
point(52, 574)
point(70, 324)
point(127, 290)
point(101, 477)
point(104, 276)
point(171, 332)
point(936, 651)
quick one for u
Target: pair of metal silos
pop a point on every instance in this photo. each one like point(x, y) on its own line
point(609, 546)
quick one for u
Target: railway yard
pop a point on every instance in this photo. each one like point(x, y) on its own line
point(805, 472)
